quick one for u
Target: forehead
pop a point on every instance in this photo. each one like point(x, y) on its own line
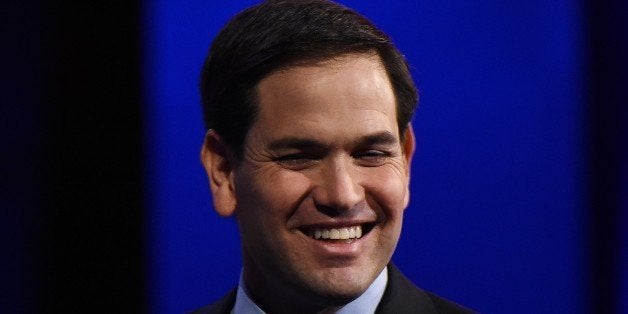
point(352, 90)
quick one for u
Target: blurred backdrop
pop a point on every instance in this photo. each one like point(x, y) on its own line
point(519, 195)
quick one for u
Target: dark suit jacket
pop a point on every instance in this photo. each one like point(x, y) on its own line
point(401, 296)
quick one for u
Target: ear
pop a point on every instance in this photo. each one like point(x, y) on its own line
point(408, 146)
point(219, 165)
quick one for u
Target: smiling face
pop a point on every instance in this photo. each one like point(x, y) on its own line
point(322, 184)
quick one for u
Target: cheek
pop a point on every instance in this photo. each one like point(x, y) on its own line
point(389, 190)
point(270, 195)
point(266, 201)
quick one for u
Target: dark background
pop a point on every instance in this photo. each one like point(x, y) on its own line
point(519, 184)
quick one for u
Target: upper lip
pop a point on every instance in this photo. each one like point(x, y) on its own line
point(336, 224)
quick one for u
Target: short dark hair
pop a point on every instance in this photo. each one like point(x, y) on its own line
point(279, 34)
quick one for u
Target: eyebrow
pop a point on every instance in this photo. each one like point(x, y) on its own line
point(378, 138)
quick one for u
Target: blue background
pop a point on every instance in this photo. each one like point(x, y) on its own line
point(497, 219)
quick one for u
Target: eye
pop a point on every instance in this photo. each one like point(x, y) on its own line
point(296, 161)
point(372, 157)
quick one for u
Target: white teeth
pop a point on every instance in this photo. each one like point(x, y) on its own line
point(344, 233)
point(334, 234)
point(338, 234)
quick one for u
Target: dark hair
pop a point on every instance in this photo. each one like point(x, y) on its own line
point(280, 34)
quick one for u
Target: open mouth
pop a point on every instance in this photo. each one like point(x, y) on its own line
point(348, 233)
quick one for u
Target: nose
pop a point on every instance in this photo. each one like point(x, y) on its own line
point(338, 187)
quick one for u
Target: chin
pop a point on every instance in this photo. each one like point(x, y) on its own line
point(340, 287)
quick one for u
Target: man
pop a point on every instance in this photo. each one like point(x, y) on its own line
point(309, 144)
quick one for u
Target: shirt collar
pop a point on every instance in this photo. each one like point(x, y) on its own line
point(365, 303)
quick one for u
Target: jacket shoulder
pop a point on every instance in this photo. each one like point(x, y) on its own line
point(402, 296)
point(222, 306)
point(445, 306)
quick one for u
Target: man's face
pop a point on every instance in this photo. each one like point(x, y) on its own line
point(322, 160)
